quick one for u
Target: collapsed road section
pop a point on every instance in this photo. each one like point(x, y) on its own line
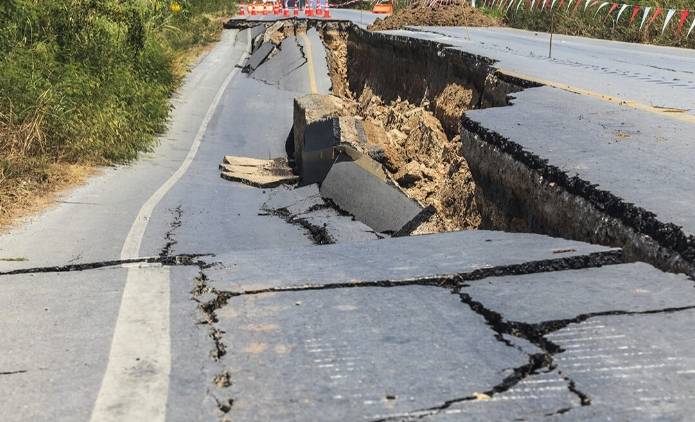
point(282, 303)
point(414, 105)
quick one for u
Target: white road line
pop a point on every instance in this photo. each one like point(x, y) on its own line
point(136, 381)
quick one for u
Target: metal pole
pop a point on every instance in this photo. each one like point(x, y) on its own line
point(552, 28)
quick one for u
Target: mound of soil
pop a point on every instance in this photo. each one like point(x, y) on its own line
point(419, 15)
point(422, 160)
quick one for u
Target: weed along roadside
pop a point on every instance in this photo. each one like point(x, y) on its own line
point(87, 83)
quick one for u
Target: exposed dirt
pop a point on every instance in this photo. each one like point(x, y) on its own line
point(25, 196)
point(337, 57)
point(424, 162)
point(419, 15)
point(417, 154)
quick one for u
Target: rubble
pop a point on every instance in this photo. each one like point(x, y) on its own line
point(257, 173)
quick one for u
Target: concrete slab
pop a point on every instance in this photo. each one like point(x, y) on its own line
point(317, 153)
point(636, 287)
point(307, 110)
point(356, 354)
point(257, 173)
point(367, 195)
point(403, 258)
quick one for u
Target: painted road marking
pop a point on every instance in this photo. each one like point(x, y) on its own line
point(670, 113)
point(136, 383)
point(310, 64)
point(135, 386)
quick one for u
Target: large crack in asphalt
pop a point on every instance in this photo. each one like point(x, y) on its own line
point(167, 261)
point(207, 310)
point(544, 361)
point(169, 235)
point(536, 362)
point(20, 371)
point(591, 260)
point(318, 234)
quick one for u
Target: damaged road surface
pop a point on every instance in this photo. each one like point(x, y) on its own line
point(381, 246)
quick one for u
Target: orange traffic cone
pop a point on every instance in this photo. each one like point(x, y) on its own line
point(296, 10)
point(326, 13)
point(286, 13)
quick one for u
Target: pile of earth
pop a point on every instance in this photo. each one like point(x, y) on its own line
point(438, 15)
point(420, 158)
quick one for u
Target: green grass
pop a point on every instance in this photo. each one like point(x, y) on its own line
point(588, 23)
point(89, 81)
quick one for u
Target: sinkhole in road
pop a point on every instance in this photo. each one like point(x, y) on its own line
point(418, 96)
point(409, 99)
point(411, 96)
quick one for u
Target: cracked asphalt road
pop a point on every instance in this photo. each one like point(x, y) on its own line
point(229, 311)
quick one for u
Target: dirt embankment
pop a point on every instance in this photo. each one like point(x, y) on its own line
point(420, 15)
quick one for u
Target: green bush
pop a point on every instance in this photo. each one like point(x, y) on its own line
point(96, 74)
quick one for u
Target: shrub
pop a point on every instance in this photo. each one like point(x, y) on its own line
point(88, 81)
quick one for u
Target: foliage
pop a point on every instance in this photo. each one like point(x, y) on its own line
point(98, 72)
point(88, 81)
point(602, 25)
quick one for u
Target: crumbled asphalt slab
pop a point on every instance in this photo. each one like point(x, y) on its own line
point(380, 205)
point(290, 59)
point(258, 57)
point(324, 223)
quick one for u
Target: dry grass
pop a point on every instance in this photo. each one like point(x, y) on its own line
point(29, 179)
point(26, 196)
